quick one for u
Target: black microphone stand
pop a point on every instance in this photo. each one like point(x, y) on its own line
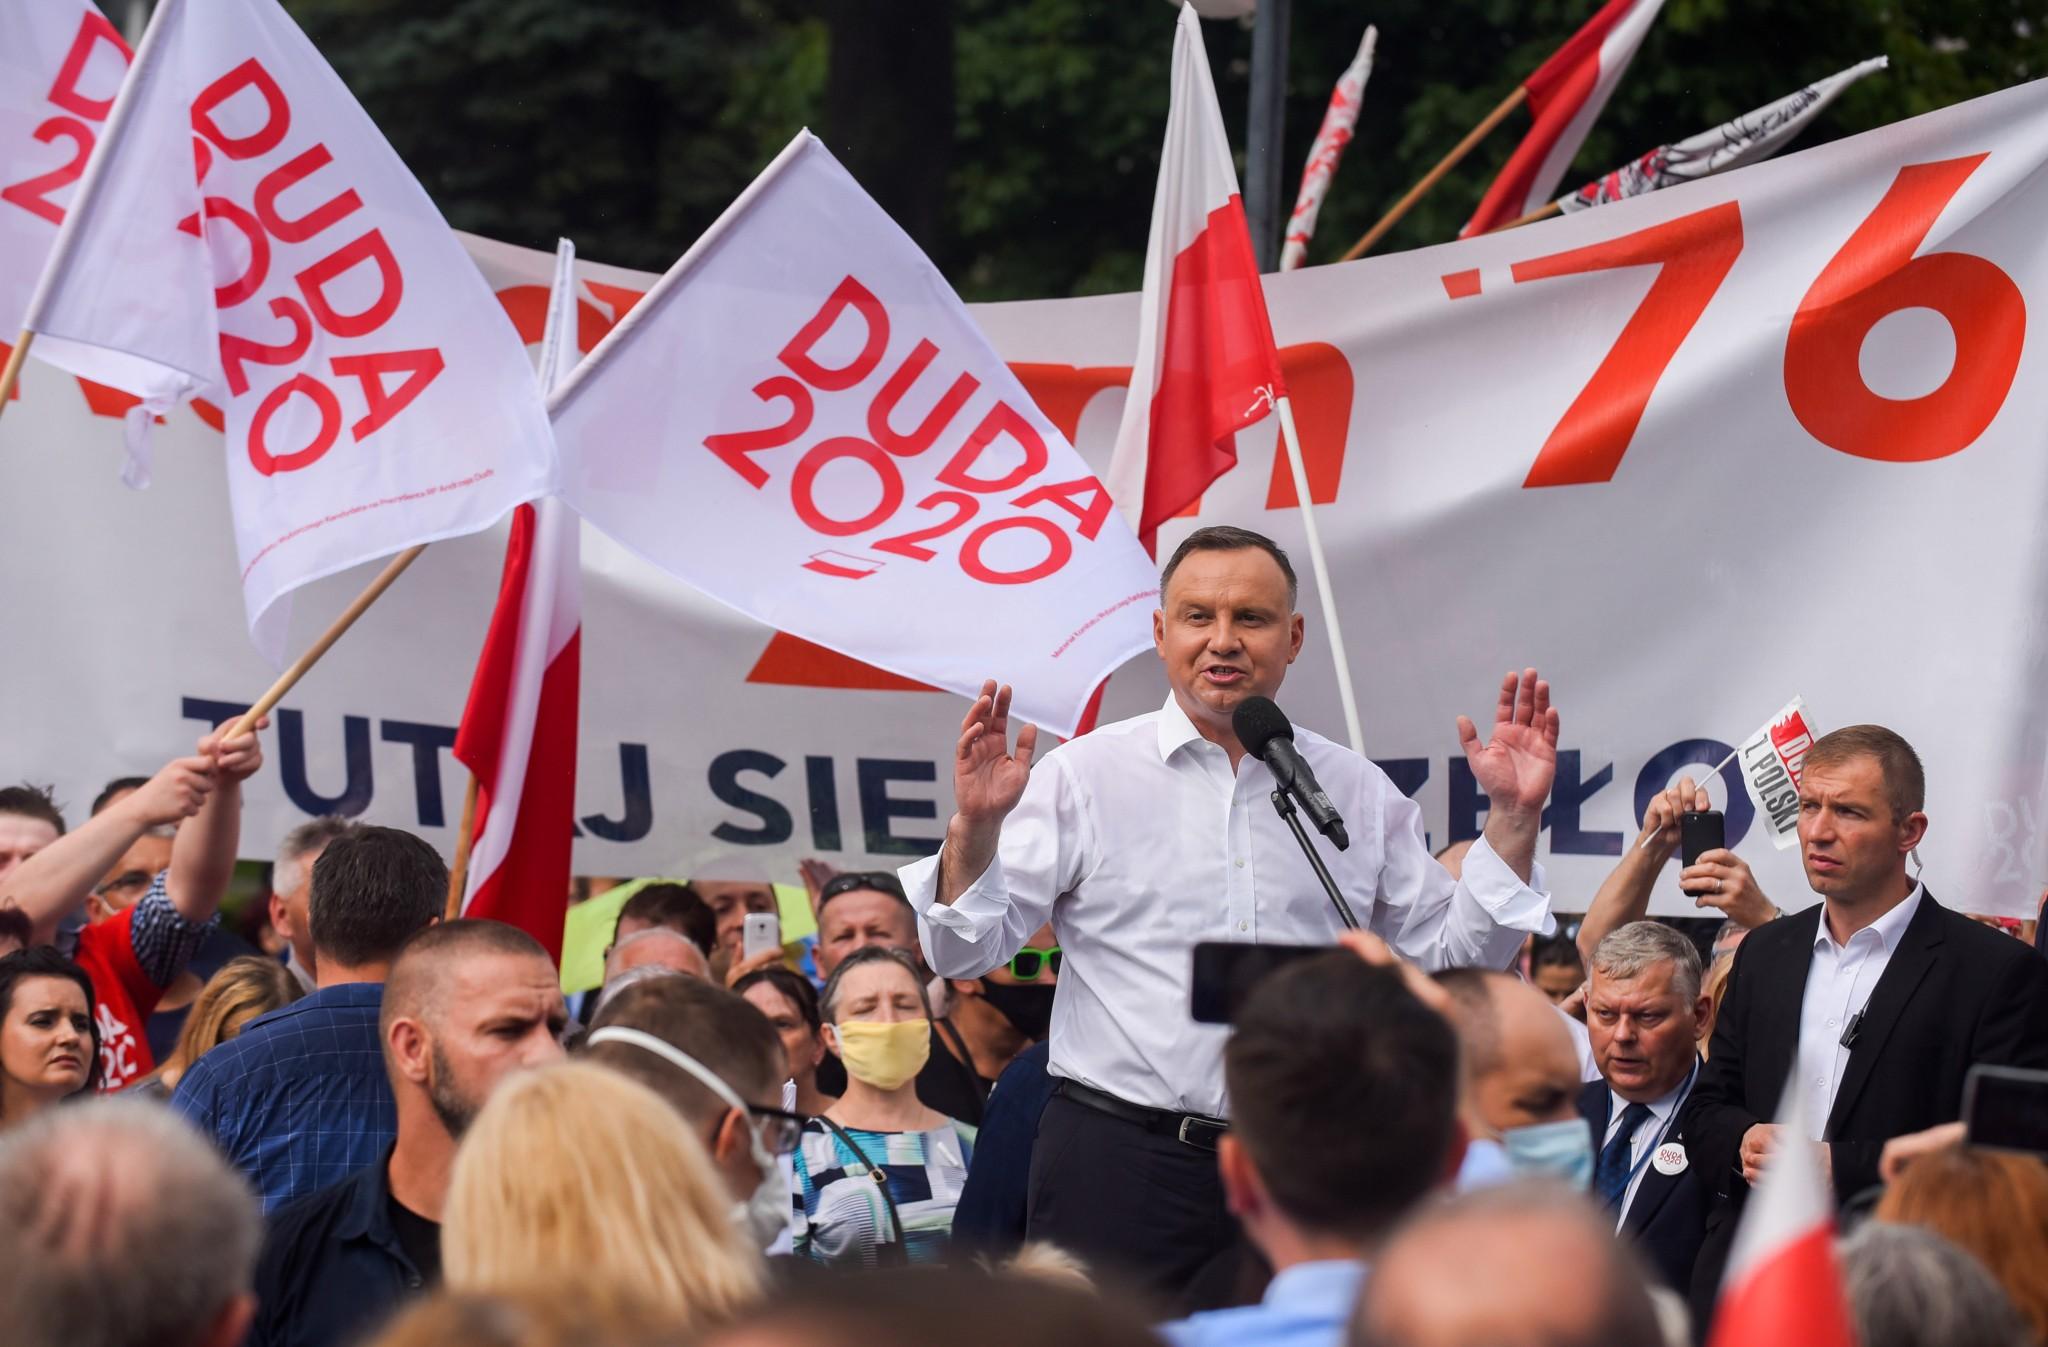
point(1284, 802)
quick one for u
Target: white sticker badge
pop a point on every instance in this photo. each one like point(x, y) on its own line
point(1670, 1158)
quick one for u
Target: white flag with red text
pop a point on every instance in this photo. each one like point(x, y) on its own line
point(802, 421)
point(245, 235)
point(1335, 133)
point(1783, 1286)
point(1770, 760)
point(61, 63)
point(1566, 96)
point(1755, 135)
point(518, 731)
point(1205, 366)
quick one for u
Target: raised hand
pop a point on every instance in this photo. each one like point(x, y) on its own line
point(1722, 880)
point(988, 779)
point(1516, 766)
point(1661, 831)
point(174, 794)
point(234, 759)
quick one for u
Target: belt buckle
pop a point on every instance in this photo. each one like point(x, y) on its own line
point(1206, 1141)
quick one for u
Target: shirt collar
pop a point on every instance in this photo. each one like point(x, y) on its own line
point(1175, 729)
point(1660, 1109)
point(1329, 1285)
point(1888, 929)
point(367, 1211)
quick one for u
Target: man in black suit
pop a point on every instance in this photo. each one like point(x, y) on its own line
point(1875, 1003)
point(1644, 1014)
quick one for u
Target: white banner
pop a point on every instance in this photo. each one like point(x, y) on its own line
point(1633, 447)
point(303, 283)
point(803, 422)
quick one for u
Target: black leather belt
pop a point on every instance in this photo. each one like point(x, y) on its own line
point(1190, 1129)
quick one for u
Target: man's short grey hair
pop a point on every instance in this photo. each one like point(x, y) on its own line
point(289, 871)
point(119, 1227)
point(1632, 950)
point(1908, 1286)
point(646, 972)
point(662, 933)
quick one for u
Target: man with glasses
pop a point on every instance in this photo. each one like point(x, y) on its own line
point(864, 909)
point(719, 1061)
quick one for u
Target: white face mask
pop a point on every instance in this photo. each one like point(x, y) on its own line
point(766, 1212)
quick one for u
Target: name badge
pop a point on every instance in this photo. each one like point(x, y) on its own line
point(1670, 1158)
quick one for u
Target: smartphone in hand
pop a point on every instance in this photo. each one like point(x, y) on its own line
point(1700, 831)
point(761, 932)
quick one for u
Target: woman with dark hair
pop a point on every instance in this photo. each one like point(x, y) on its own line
point(49, 1034)
point(879, 1173)
point(787, 999)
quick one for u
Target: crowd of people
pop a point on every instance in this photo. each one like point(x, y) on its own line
point(975, 1106)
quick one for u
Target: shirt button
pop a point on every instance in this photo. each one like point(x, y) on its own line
point(1831, 1024)
point(1243, 926)
point(1239, 862)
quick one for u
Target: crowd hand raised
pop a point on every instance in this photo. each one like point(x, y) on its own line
point(1517, 765)
point(174, 794)
point(1901, 1151)
point(1661, 828)
point(816, 874)
point(988, 779)
point(234, 759)
point(767, 958)
point(1722, 880)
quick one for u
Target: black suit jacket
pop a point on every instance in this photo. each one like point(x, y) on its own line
point(1669, 1216)
point(1953, 994)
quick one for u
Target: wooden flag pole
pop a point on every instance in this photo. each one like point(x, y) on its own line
point(1436, 175)
point(458, 873)
point(287, 680)
point(11, 374)
point(1543, 212)
point(1299, 469)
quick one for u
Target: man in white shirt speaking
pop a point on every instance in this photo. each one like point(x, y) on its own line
point(1145, 837)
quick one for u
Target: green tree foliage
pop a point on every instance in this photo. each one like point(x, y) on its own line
point(1024, 162)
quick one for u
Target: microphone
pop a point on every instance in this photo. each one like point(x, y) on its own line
point(1263, 729)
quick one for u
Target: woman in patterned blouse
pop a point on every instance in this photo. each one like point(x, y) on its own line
point(878, 1173)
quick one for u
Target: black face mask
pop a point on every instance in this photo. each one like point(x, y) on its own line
point(1028, 1008)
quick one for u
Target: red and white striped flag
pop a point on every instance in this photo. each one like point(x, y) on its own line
point(518, 732)
point(1566, 96)
point(1331, 138)
point(1783, 1287)
point(1205, 366)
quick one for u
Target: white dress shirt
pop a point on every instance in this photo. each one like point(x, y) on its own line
point(1649, 1134)
point(1838, 985)
point(1139, 841)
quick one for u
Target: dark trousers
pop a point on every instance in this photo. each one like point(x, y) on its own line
point(1142, 1208)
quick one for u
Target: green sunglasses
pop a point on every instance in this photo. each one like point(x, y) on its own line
point(1030, 962)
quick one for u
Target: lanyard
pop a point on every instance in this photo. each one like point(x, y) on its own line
point(1650, 1153)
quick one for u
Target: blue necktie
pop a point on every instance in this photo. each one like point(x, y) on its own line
point(1610, 1177)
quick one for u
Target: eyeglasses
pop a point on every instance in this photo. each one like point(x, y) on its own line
point(779, 1128)
point(1030, 962)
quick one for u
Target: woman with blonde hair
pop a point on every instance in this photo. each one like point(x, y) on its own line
point(243, 989)
point(577, 1157)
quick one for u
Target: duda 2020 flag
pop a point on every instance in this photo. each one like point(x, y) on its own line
point(244, 235)
point(802, 421)
point(61, 64)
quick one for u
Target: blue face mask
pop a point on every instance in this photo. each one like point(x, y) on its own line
point(1560, 1150)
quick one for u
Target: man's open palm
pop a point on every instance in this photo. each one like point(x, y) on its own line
point(988, 779)
point(1517, 765)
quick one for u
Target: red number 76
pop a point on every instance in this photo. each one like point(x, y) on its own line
point(1875, 274)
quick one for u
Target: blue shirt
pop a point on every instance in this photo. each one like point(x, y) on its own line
point(1308, 1305)
point(990, 1217)
point(332, 1268)
point(298, 1100)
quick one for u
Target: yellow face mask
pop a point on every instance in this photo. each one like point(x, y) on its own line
point(884, 1055)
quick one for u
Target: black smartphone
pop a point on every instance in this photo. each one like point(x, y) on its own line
point(1226, 972)
point(1700, 831)
point(2006, 1108)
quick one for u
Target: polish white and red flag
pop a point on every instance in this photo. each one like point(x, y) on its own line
point(1783, 1286)
point(1205, 366)
point(244, 235)
point(1566, 95)
point(61, 63)
point(518, 731)
point(1339, 119)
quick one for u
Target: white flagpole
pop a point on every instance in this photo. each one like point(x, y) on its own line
point(1321, 568)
